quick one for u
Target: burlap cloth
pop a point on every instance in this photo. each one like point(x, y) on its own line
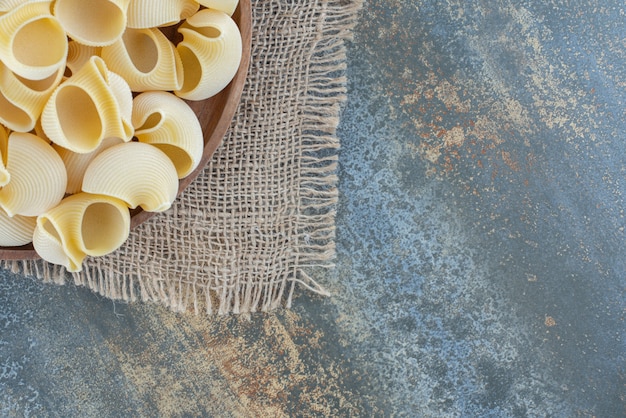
point(248, 231)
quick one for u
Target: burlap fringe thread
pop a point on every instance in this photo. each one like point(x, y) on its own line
point(316, 200)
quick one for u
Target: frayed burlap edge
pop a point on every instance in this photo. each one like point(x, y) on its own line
point(316, 200)
point(318, 192)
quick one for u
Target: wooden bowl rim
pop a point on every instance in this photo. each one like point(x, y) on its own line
point(216, 127)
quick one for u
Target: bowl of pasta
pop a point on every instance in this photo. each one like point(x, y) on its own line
point(106, 122)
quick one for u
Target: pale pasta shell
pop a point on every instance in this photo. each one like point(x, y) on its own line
point(124, 97)
point(146, 59)
point(76, 164)
point(86, 108)
point(211, 53)
point(226, 6)
point(5, 176)
point(17, 230)
point(94, 22)
point(39, 132)
point(22, 100)
point(8, 5)
point(144, 14)
point(168, 123)
point(33, 44)
point(47, 244)
point(38, 176)
point(137, 173)
point(82, 224)
point(78, 55)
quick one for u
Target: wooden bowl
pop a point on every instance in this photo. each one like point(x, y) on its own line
point(215, 115)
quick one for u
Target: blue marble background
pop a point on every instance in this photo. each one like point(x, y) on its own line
point(480, 238)
point(481, 226)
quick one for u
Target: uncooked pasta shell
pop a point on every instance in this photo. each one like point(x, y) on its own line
point(168, 123)
point(226, 6)
point(47, 244)
point(146, 59)
point(78, 54)
point(156, 13)
point(8, 5)
point(86, 108)
point(92, 22)
point(5, 176)
point(16, 230)
point(22, 100)
point(38, 176)
point(76, 164)
point(39, 132)
point(137, 173)
point(124, 97)
point(210, 52)
point(33, 44)
point(82, 224)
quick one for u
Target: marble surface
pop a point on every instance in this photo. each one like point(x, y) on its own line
point(480, 238)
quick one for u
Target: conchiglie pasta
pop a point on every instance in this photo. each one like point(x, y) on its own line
point(16, 230)
point(33, 43)
point(48, 245)
point(93, 22)
point(22, 100)
point(124, 97)
point(39, 132)
point(168, 123)
point(211, 53)
point(146, 59)
point(86, 108)
point(8, 5)
point(78, 54)
point(38, 176)
point(226, 6)
point(5, 177)
point(137, 173)
point(76, 164)
point(156, 13)
point(82, 224)
point(69, 70)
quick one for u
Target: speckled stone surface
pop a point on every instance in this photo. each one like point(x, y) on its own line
point(480, 233)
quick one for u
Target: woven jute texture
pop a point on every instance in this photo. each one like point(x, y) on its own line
point(248, 231)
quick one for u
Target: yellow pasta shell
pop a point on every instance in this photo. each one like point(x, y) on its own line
point(211, 53)
point(137, 173)
point(39, 132)
point(82, 224)
point(92, 22)
point(226, 6)
point(17, 230)
point(124, 98)
point(38, 176)
point(8, 5)
point(144, 14)
point(88, 107)
point(168, 123)
point(76, 164)
point(5, 176)
point(78, 54)
point(48, 245)
point(22, 100)
point(146, 59)
point(33, 43)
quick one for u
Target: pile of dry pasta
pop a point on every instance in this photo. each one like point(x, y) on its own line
point(93, 121)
